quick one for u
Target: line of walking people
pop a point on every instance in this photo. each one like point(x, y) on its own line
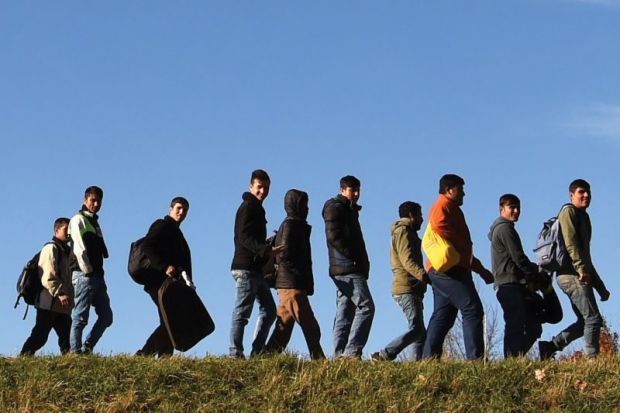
point(73, 277)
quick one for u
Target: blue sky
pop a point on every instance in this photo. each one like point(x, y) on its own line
point(151, 100)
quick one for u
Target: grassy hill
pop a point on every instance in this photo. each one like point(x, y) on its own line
point(285, 384)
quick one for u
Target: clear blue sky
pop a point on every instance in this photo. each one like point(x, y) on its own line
point(155, 99)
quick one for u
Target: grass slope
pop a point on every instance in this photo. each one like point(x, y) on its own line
point(284, 384)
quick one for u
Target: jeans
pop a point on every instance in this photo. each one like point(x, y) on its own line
point(251, 286)
point(355, 311)
point(589, 320)
point(294, 307)
point(452, 293)
point(521, 326)
point(89, 291)
point(413, 308)
point(46, 320)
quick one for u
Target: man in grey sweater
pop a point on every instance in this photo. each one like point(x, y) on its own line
point(512, 271)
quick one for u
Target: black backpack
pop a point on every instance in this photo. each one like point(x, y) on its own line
point(139, 265)
point(29, 282)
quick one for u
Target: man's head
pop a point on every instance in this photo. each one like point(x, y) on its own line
point(580, 194)
point(259, 184)
point(93, 197)
point(179, 208)
point(61, 227)
point(412, 210)
point(510, 207)
point(451, 186)
point(350, 188)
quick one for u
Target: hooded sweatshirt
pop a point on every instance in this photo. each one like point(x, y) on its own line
point(406, 259)
point(510, 264)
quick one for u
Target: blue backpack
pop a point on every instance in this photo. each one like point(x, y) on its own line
point(550, 250)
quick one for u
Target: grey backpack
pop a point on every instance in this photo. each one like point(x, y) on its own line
point(550, 250)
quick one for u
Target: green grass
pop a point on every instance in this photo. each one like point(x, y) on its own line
point(286, 384)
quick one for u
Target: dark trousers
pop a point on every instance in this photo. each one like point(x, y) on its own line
point(294, 307)
point(46, 321)
point(159, 342)
point(454, 292)
point(522, 327)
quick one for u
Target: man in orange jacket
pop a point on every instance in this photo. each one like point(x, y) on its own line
point(453, 289)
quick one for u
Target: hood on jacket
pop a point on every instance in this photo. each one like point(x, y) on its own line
point(296, 204)
point(500, 220)
point(249, 197)
point(402, 222)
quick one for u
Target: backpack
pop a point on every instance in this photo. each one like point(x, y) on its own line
point(551, 254)
point(139, 264)
point(29, 282)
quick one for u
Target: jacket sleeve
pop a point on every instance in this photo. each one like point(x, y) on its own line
point(286, 258)
point(246, 236)
point(567, 218)
point(404, 248)
point(48, 265)
point(510, 239)
point(76, 226)
point(334, 230)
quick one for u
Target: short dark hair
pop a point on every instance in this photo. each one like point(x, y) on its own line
point(449, 181)
point(259, 174)
point(578, 183)
point(60, 222)
point(93, 190)
point(179, 200)
point(349, 181)
point(508, 199)
point(408, 207)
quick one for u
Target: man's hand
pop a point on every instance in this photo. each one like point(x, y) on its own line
point(64, 300)
point(170, 271)
point(277, 249)
point(584, 277)
point(486, 275)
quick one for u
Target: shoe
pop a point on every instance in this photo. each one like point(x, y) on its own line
point(378, 356)
point(546, 350)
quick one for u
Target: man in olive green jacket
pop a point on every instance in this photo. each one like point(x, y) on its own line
point(578, 276)
point(410, 279)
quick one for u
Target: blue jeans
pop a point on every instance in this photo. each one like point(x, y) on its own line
point(452, 293)
point(521, 328)
point(413, 308)
point(355, 311)
point(589, 320)
point(251, 286)
point(89, 291)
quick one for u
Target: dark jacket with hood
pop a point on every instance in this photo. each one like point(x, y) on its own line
point(251, 248)
point(165, 245)
point(345, 242)
point(294, 263)
point(510, 264)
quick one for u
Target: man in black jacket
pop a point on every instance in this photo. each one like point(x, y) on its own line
point(293, 279)
point(349, 269)
point(512, 271)
point(251, 252)
point(169, 256)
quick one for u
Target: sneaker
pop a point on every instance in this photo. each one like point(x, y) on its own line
point(377, 356)
point(546, 350)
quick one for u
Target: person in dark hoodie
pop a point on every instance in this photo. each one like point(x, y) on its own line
point(293, 278)
point(251, 252)
point(409, 282)
point(349, 269)
point(512, 271)
point(89, 251)
point(169, 256)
